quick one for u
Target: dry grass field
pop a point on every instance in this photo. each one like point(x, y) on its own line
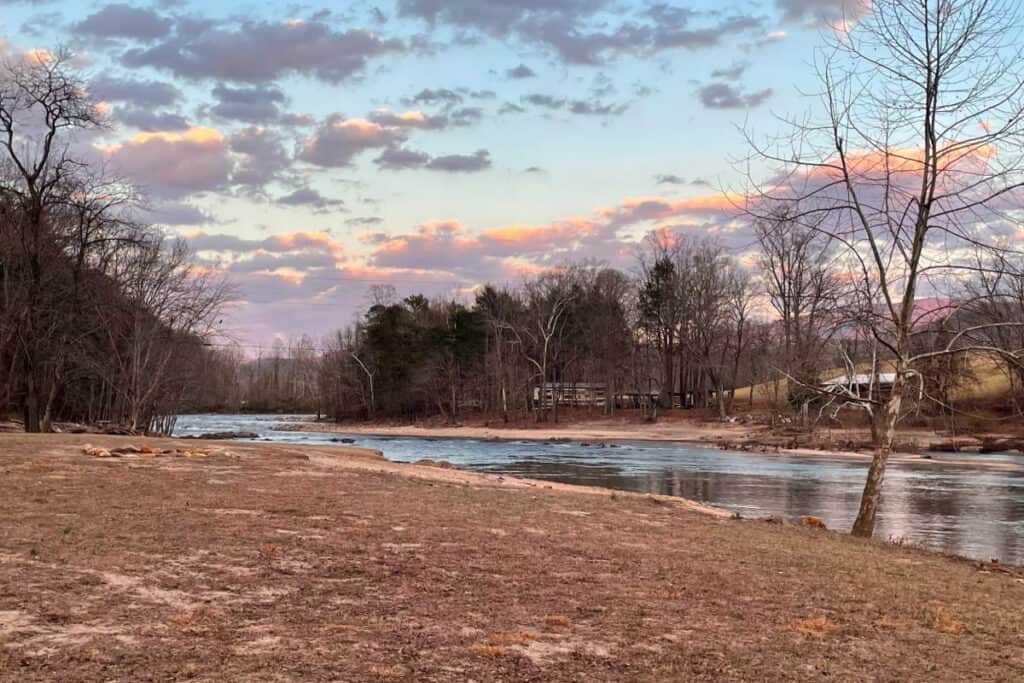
point(281, 563)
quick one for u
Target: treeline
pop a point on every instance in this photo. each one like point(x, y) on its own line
point(686, 328)
point(101, 316)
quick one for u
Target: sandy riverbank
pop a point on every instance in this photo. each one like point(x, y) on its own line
point(610, 430)
point(284, 562)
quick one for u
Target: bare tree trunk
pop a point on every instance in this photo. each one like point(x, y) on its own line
point(504, 401)
point(32, 423)
point(47, 419)
point(864, 525)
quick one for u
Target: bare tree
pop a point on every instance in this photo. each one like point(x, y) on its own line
point(548, 301)
point(910, 169)
point(166, 305)
point(802, 287)
point(42, 100)
point(994, 311)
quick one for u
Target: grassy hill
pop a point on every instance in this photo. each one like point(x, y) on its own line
point(985, 381)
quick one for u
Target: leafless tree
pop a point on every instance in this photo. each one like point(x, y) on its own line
point(910, 169)
point(165, 305)
point(548, 300)
point(994, 309)
point(42, 100)
point(800, 280)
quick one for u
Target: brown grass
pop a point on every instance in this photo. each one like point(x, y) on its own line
point(162, 578)
point(387, 671)
point(943, 620)
point(513, 637)
point(986, 380)
point(819, 627)
point(192, 618)
point(272, 551)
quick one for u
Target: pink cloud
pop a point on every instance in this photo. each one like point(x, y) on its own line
point(174, 163)
point(339, 140)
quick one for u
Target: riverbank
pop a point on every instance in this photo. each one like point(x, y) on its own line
point(325, 563)
point(591, 430)
point(735, 436)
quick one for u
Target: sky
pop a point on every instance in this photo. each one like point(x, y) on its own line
point(314, 150)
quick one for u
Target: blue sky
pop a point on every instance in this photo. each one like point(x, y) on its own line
point(311, 150)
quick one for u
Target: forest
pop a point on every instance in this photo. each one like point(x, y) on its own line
point(689, 327)
point(101, 315)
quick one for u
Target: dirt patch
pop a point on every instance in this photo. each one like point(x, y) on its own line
point(325, 564)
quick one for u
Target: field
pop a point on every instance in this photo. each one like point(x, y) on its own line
point(984, 381)
point(277, 563)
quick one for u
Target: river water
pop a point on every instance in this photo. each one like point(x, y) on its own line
point(967, 510)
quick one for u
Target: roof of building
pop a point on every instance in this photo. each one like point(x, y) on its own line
point(860, 378)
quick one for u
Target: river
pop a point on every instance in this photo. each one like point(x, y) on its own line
point(966, 510)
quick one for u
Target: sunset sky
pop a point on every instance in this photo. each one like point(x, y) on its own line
point(313, 150)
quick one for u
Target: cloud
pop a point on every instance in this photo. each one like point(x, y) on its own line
point(520, 72)
point(669, 179)
point(173, 164)
point(364, 220)
point(299, 251)
point(718, 95)
point(299, 263)
point(260, 51)
point(461, 163)
point(708, 36)
point(465, 116)
point(638, 210)
point(448, 246)
point(263, 156)
point(339, 140)
point(731, 73)
point(309, 197)
point(822, 12)
point(258, 104)
point(151, 121)
point(401, 159)
point(177, 213)
point(591, 107)
point(435, 96)
point(137, 92)
point(301, 239)
point(435, 244)
point(409, 119)
point(40, 24)
point(583, 31)
point(529, 238)
point(124, 21)
point(597, 108)
point(546, 101)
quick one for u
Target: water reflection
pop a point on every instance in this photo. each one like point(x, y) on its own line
point(959, 509)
